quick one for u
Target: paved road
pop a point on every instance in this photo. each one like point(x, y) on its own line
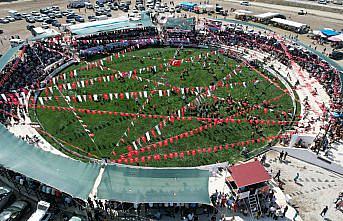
point(308, 2)
point(309, 157)
point(324, 14)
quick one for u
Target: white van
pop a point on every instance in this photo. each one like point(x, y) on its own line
point(16, 42)
point(12, 12)
point(42, 209)
point(101, 17)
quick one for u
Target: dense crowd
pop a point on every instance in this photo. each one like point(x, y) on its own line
point(24, 73)
point(40, 59)
point(111, 41)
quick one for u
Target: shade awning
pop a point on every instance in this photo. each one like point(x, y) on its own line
point(67, 175)
point(329, 32)
point(336, 38)
point(249, 173)
point(152, 185)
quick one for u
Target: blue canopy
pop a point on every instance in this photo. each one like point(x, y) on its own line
point(329, 32)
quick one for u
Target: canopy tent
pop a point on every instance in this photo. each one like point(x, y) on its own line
point(147, 185)
point(108, 25)
point(70, 176)
point(249, 173)
point(336, 38)
point(288, 23)
point(243, 12)
point(329, 32)
point(318, 33)
point(180, 24)
point(267, 15)
point(5, 58)
point(41, 33)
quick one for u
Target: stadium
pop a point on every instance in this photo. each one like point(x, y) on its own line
point(151, 114)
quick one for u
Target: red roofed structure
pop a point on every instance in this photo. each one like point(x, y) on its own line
point(249, 173)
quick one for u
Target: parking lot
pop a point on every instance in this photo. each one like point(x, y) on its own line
point(57, 15)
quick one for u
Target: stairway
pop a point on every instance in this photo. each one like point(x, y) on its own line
point(254, 205)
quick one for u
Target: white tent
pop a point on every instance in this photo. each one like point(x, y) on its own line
point(288, 23)
point(336, 38)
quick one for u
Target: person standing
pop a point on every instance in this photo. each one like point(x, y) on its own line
point(285, 211)
point(286, 154)
point(278, 175)
point(324, 211)
point(296, 214)
point(296, 178)
point(281, 156)
point(263, 159)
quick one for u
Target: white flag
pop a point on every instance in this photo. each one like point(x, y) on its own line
point(40, 100)
point(158, 130)
point(147, 136)
point(135, 145)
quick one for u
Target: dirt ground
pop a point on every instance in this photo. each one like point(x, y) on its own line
point(316, 187)
point(316, 21)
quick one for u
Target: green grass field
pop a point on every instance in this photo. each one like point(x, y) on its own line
point(114, 133)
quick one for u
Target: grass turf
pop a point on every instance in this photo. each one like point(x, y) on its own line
point(109, 130)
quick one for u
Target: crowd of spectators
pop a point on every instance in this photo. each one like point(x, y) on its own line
point(25, 72)
point(111, 41)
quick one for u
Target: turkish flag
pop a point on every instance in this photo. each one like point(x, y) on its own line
point(175, 63)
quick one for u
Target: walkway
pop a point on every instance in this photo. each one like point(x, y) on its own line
point(310, 157)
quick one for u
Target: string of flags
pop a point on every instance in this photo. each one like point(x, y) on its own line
point(133, 156)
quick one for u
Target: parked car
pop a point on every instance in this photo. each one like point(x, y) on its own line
point(58, 15)
point(6, 194)
point(56, 8)
point(245, 3)
point(45, 25)
point(35, 13)
point(79, 19)
point(30, 27)
point(43, 10)
point(39, 19)
point(25, 15)
point(30, 20)
point(4, 21)
point(41, 211)
point(1, 31)
point(10, 18)
point(49, 20)
point(56, 24)
point(71, 16)
point(336, 55)
point(323, 2)
point(69, 20)
point(17, 16)
point(51, 15)
point(15, 211)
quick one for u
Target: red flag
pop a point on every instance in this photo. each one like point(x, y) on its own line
point(175, 63)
